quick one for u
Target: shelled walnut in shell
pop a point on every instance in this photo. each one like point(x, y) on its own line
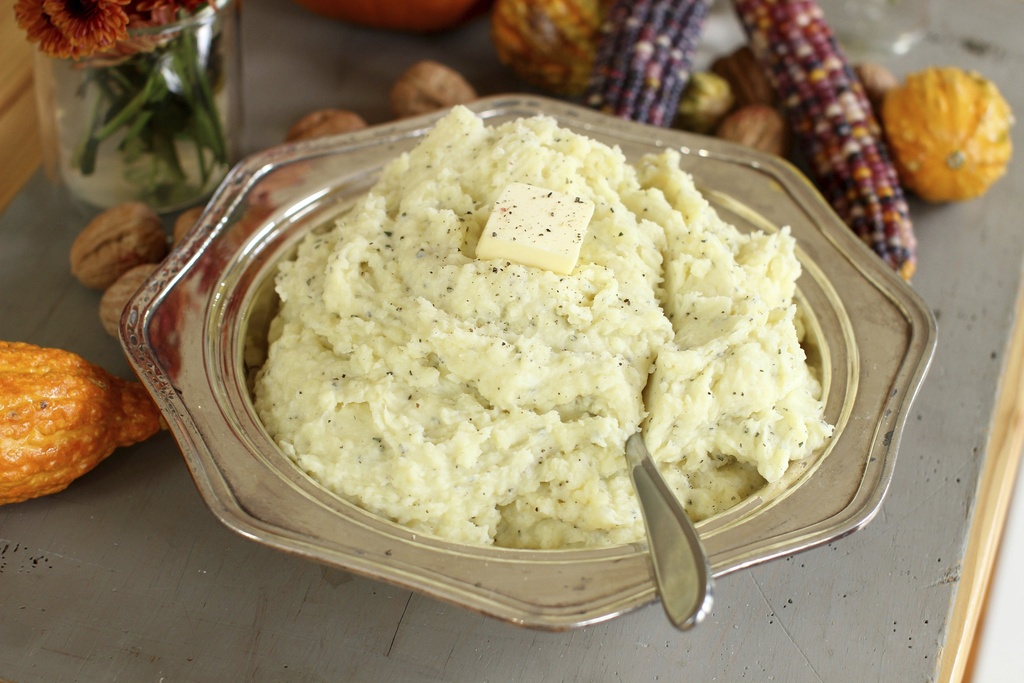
point(115, 252)
point(424, 87)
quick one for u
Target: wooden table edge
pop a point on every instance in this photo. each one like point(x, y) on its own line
point(991, 508)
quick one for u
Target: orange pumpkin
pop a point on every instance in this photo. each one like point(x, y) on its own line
point(419, 16)
point(949, 132)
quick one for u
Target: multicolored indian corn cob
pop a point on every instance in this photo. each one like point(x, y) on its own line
point(832, 123)
point(644, 58)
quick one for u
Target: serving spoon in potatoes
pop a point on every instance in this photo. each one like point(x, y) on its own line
point(681, 569)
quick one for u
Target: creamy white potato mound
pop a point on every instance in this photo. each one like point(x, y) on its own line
point(489, 402)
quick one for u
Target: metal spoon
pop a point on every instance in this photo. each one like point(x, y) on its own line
point(681, 569)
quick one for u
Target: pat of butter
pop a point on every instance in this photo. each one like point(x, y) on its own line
point(536, 227)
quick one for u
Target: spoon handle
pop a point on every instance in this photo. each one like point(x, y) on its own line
point(681, 569)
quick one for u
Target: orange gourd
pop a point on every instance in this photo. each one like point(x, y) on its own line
point(60, 416)
point(548, 43)
point(949, 133)
point(418, 16)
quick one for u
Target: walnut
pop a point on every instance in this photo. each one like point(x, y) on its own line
point(756, 125)
point(877, 81)
point(117, 295)
point(184, 222)
point(324, 122)
point(428, 86)
point(114, 242)
point(749, 83)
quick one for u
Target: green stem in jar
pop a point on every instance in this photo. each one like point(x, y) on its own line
point(161, 104)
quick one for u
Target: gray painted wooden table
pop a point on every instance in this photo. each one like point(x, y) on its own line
point(128, 576)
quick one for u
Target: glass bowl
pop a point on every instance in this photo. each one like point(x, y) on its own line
point(195, 334)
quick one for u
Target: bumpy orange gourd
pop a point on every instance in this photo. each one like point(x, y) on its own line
point(949, 133)
point(548, 43)
point(418, 16)
point(60, 416)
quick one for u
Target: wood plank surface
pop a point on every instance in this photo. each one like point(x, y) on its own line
point(19, 138)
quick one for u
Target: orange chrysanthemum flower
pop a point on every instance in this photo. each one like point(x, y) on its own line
point(91, 25)
point(37, 25)
point(155, 12)
point(146, 6)
point(81, 28)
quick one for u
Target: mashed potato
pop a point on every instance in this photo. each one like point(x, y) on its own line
point(489, 402)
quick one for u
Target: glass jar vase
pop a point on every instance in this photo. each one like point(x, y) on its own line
point(877, 28)
point(156, 119)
